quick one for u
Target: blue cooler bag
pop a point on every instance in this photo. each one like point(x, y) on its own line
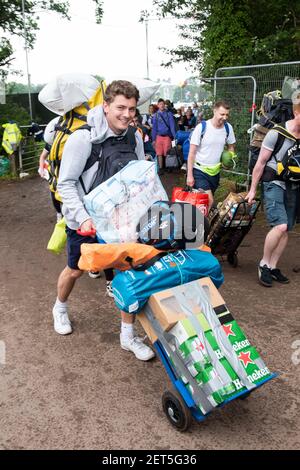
point(133, 288)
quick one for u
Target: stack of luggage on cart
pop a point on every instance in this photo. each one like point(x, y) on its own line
point(229, 224)
point(172, 287)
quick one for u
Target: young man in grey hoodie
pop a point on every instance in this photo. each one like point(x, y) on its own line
point(111, 120)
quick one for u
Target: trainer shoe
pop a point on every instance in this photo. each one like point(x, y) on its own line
point(265, 276)
point(279, 277)
point(62, 324)
point(184, 167)
point(94, 274)
point(138, 347)
point(109, 290)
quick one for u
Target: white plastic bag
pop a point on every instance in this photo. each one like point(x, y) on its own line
point(67, 91)
point(117, 204)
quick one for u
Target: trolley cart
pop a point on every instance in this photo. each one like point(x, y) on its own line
point(229, 229)
point(191, 398)
point(179, 405)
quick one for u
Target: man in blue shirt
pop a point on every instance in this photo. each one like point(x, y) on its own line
point(163, 132)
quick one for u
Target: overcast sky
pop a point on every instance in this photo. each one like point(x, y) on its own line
point(117, 46)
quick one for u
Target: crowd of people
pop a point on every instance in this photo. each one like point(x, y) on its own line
point(158, 127)
point(153, 134)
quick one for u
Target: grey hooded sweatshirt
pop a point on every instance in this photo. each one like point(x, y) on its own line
point(76, 152)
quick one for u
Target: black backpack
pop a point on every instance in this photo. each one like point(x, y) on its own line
point(274, 109)
point(288, 169)
point(113, 154)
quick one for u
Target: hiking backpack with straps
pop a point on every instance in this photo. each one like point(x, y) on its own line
point(288, 168)
point(68, 123)
point(273, 110)
point(112, 155)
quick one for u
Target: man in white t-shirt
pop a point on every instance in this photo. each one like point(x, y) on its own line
point(204, 159)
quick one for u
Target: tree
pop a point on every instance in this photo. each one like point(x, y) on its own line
point(12, 22)
point(227, 33)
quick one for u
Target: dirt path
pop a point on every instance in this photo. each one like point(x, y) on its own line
point(83, 392)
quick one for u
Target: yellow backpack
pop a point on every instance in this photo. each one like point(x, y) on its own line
point(67, 124)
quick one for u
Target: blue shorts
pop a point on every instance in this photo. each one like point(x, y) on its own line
point(280, 205)
point(74, 242)
point(205, 181)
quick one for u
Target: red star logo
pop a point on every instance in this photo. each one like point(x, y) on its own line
point(245, 357)
point(198, 346)
point(228, 330)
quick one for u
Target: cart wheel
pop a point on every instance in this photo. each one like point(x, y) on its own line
point(176, 410)
point(232, 259)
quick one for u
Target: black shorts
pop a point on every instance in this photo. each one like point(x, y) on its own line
point(205, 181)
point(74, 242)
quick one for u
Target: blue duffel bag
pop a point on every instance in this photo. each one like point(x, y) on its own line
point(133, 288)
point(181, 136)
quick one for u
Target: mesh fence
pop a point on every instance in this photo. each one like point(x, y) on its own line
point(239, 93)
point(29, 152)
point(245, 94)
point(268, 77)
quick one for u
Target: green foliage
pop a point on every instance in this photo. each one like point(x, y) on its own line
point(223, 33)
point(12, 22)
point(12, 111)
point(13, 88)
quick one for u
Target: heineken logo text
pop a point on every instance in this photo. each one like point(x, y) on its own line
point(259, 374)
point(236, 346)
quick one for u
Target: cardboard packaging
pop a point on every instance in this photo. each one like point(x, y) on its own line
point(167, 311)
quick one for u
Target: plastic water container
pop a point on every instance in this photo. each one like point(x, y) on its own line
point(4, 166)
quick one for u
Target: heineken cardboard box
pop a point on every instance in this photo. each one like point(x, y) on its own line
point(214, 350)
point(167, 310)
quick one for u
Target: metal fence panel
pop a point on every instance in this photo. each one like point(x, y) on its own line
point(239, 92)
point(267, 77)
point(29, 152)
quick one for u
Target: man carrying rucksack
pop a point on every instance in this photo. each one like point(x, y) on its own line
point(90, 157)
point(163, 132)
point(206, 147)
point(279, 172)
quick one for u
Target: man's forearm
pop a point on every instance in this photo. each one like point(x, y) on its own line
point(191, 161)
point(256, 175)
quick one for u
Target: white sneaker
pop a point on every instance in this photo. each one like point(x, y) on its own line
point(138, 347)
point(62, 324)
point(94, 274)
point(109, 290)
point(184, 167)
